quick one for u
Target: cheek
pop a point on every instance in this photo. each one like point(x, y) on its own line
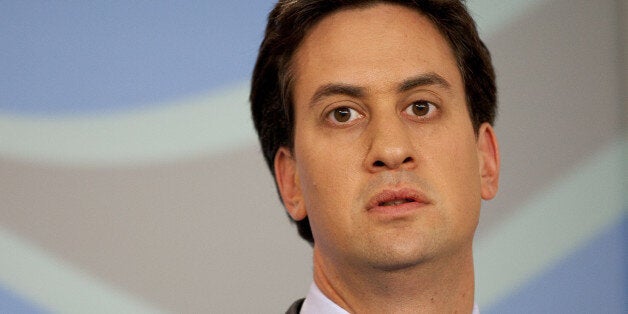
point(329, 195)
point(327, 178)
point(329, 164)
point(455, 170)
point(330, 181)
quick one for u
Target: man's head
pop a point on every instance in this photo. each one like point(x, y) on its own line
point(325, 61)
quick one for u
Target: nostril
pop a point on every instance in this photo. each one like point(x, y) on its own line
point(408, 159)
point(379, 163)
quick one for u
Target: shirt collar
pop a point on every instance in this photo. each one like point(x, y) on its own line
point(317, 302)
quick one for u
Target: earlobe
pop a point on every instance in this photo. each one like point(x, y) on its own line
point(488, 156)
point(287, 179)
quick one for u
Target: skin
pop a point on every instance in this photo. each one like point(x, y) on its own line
point(407, 258)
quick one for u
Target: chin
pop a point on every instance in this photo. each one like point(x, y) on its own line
point(399, 257)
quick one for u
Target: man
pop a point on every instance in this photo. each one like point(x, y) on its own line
point(375, 120)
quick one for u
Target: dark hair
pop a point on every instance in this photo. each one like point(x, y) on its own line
point(289, 22)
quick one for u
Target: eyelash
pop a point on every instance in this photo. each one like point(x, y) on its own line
point(355, 114)
point(409, 110)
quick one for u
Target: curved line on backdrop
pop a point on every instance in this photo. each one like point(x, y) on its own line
point(216, 122)
point(212, 123)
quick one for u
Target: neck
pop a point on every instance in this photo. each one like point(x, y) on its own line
point(444, 285)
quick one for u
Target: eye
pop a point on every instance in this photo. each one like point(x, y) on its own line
point(420, 108)
point(343, 115)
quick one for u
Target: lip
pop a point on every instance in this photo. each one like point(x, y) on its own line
point(412, 201)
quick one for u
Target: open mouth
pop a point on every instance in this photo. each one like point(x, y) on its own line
point(397, 199)
point(396, 202)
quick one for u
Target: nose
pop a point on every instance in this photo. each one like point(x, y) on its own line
point(391, 146)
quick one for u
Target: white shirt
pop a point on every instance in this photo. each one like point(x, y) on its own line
point(316, 302)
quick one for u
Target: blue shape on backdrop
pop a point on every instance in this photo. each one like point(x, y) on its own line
point(592, 280)
point(12, 303)
point(93, 57)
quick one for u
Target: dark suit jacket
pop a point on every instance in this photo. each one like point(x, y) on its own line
point(295, 308)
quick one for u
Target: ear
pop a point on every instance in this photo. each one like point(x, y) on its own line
point(287, 179)
point(488, 156)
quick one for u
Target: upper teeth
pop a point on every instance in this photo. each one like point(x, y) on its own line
point(395, 202)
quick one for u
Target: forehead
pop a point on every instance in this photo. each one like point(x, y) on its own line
point(370, 45)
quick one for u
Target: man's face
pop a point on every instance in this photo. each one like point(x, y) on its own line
point(386, 163)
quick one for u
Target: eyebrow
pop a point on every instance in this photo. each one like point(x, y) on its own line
point(337, 89)
point(330, 89)
point(426, 79)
